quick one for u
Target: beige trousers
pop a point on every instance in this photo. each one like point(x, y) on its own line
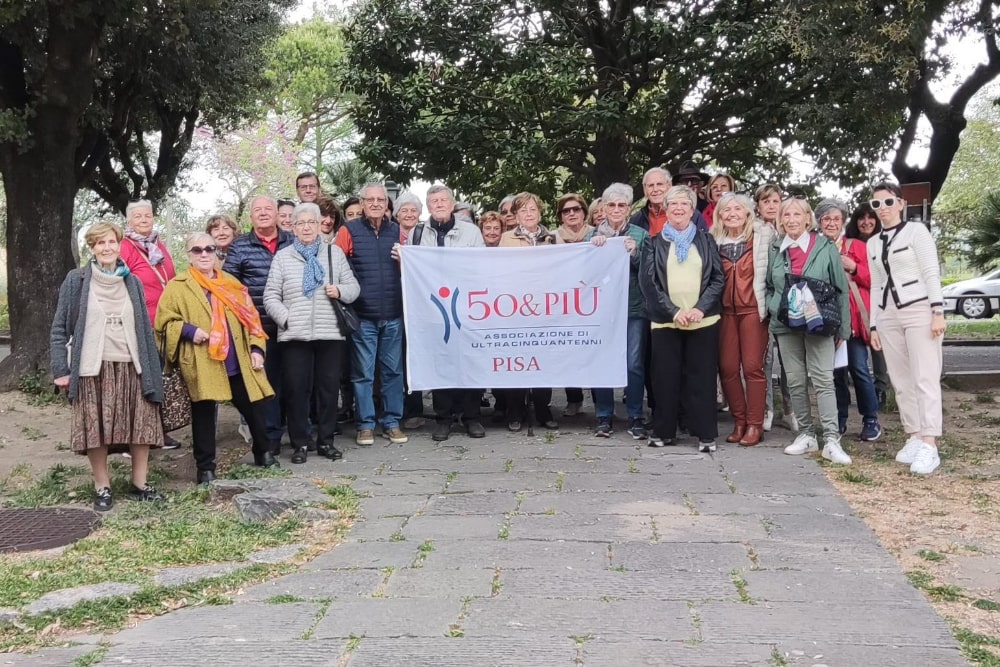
point(913, 357)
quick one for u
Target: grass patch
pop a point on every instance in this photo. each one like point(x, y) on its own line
point(741, 586)
point(39, 390)
point(244, 471)
point(974, 328)
point(284, 598)
point(92, 657)
point(942, 593)
point(64, 484)
point(423, 551)
point(932, 556)
point(987, 397)
point(343, 498)
point(986, 605)
point(974, 646)
point(854, 477)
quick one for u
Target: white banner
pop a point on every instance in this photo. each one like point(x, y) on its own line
point(503, 318)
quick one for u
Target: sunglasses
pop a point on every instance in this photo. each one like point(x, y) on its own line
point(199, 250)
point(571, 209)
point(888, 202)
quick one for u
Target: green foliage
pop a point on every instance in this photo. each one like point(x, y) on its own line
point(984, 234)
point(558, 96)
point(38, 389)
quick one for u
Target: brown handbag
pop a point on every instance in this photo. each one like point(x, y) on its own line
point(175, 411)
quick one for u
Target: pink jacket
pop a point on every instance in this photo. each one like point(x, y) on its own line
point(153, 278)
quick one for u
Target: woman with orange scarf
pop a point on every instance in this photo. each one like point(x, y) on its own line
point(210, 330)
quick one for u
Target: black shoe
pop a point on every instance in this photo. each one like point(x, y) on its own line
point(103, 501)
point(330, 452)
point(657, 441)
point(475, 429)
point(311, 447)
point(274, 446)
point(145, 494)
point(265, 460)
point(206, 476)
point(549, 424)
point(345, 415)
point(170, 443)
point(337, 430)
point(514, 426)
point(299, 455)
point(442, 429)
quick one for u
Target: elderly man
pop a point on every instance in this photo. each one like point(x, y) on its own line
point(653, 215)
point(690, 175)
point(507, 213)
point(307, 187)
point(445, 230)
point(249, 260)
point(369, 242)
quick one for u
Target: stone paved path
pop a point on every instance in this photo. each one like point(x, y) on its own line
point(573, 551)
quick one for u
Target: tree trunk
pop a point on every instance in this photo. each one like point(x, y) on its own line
point(610, 161)
point(40, 188)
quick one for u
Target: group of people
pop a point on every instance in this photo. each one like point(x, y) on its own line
point(721, 286)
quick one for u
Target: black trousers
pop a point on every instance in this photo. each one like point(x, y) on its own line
point(311, 367)
point(685, 365)
point(463, 402)
point(517, 404)
point(346, 386)
point(574, 395)
point(413, 401)
point(203, 424)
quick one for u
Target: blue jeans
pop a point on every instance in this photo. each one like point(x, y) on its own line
point(636, 340)
point(272, 369)
point(864, 386)
point(381, 342)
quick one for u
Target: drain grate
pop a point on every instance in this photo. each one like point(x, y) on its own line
point(44, 527)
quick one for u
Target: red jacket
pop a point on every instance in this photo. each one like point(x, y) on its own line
point(857, 251)
point(153, 279)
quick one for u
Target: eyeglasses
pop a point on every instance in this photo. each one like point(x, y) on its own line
point(888, 202)
point(571, 209)
point(831, 218)
point(615, 204)
point(797, 195)
point(693, 180)
point(505, 211)
point(206, 250)
point(303, 223)
point(374, 200)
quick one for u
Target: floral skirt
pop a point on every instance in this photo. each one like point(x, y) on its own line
point(110, 411)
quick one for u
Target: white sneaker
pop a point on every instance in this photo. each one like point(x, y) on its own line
point(244, 432)
point(804, 442)
point(908, 453)
point(833, 452)
point(926, 461)
point(572, 409)
point(790, 422)
point(768, 420)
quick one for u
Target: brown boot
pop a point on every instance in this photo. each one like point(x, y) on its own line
point(737, 434)
point(752, 436)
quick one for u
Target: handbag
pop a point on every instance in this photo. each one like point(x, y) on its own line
point(809, 305)
point(347, 319)
point(175, 411)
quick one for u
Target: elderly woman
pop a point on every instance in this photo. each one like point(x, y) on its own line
point(863, 225)
point(491, 225)
point(618, 199)
point(807, 347)
point(907, 323)
point(213, 334)
point(408, 210)
point(718, 185)
point(304, 280)
point(223, 231)
point(527, 233)
point(768, 200)
point(145, 254)
point(596, 213)
point(854, 259)
point(744, 243)
point(507, 213)
point(681, 280)
point(104, 355)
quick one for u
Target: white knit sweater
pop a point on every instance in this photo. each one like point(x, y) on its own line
point(909, 274)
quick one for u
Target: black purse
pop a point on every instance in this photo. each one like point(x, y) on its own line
point(347, 319)
point(826, 296)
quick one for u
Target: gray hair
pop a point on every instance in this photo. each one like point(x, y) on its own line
point(191, 238)
point(830, 205)
point(509, 199)
point(267, 197)
point(132, 205)
point(407, 198)
point(370, 185)
point(617, 192)
point(464, 206)
point(656, 170)
point(306, 207)
point(434, 189)
point(682, 191)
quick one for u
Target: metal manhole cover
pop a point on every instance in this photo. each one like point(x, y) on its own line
point(44, 527)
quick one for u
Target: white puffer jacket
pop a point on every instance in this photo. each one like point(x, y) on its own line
point(299, 317)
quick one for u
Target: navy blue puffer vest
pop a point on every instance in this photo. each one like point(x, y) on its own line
point(377, 272)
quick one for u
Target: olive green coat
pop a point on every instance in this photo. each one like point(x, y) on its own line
point(184, 301)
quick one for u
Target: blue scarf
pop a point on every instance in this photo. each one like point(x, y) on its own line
point(120, 270)
point(682, 240)
point(312, 274)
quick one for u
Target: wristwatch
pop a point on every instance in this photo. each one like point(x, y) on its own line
point(937, 311)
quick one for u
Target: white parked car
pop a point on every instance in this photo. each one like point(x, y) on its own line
point(974, 298)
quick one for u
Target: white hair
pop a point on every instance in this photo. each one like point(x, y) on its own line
point(618, 192)
point(306, 207)
point(133, 205)
point(374, 184)
point(407, 198)
point(656, 170)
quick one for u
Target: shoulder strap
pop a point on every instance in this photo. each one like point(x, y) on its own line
point(161, 276)
point(74, 311)
point(861, 304)
point(329, 260)
point(418, 233)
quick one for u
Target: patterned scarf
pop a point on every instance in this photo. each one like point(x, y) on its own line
point(539, 237)
point(227, 292)
point(148, 243)
point(606, 230)
point(120, 270)
point(569, 236)
point(312, 274)
point(682, 240)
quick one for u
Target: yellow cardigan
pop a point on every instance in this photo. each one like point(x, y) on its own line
point(183, 301)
